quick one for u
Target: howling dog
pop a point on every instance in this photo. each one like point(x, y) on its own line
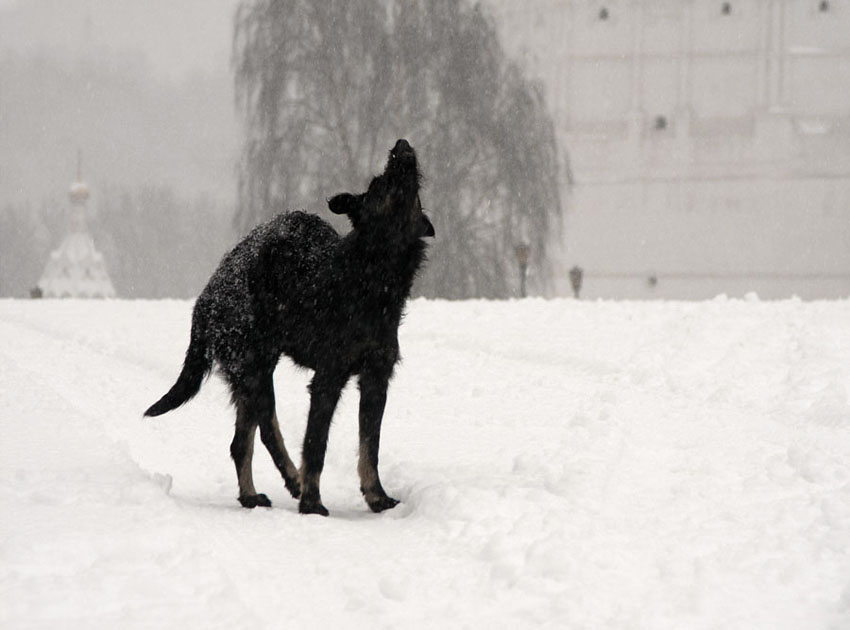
point(331, 303)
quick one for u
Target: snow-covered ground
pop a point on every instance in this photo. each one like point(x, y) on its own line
point(561, 464)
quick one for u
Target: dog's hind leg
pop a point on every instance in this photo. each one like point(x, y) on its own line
point(242, 451)
point(271, 437)
point(324, 395)
point(373, 399)
point(253, 407)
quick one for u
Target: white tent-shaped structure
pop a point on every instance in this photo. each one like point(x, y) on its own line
point(76, 269)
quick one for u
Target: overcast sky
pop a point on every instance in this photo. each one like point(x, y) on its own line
point(176, 38)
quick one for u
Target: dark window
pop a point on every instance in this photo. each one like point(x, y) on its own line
point(603, 14)
point(726, 8)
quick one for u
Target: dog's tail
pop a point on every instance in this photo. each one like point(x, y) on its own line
point(196, 368)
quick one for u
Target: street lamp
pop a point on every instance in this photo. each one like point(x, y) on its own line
point(576, 278)
point(522, 258)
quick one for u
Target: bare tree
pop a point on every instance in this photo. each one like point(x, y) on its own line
point(326, 87)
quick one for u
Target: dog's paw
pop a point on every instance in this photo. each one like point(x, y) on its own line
point(312, 507)
point(382, 503)
point(294, 487)
point(255, 500)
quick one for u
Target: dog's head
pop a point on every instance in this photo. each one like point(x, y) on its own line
point(391, 204)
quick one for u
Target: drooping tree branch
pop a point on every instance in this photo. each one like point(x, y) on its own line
point(326, 87)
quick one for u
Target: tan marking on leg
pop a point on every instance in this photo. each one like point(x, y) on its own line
point(246, 475)
point(368, 474)
point(311, 481)
point(291, 470)
point(310, 485)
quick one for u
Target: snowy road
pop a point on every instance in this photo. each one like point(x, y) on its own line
point(561, 464)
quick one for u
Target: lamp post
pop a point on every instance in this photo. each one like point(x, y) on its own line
point(576, 278)
point(522, 258)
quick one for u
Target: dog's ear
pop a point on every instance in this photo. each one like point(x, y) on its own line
point(343, 203)
point(426, 228)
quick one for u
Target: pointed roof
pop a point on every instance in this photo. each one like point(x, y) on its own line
point(76, 268)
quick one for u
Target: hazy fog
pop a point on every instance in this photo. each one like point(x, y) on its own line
point(697, 166)
point(143, 89)
point(143, 92)
point(174, 38)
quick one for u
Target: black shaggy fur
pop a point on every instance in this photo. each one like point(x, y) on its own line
point(333, 304)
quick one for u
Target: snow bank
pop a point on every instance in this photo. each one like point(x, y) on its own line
point(561, 464)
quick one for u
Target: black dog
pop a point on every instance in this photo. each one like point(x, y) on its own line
point(333, 304)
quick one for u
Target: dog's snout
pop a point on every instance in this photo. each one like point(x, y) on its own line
point(402, 147)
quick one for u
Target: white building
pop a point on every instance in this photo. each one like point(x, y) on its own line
point(708, 142)
point(76, 269)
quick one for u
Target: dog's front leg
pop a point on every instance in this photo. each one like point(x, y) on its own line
point(373, 399)
point(324, 395)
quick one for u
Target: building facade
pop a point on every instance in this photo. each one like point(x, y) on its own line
point(706, 143)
